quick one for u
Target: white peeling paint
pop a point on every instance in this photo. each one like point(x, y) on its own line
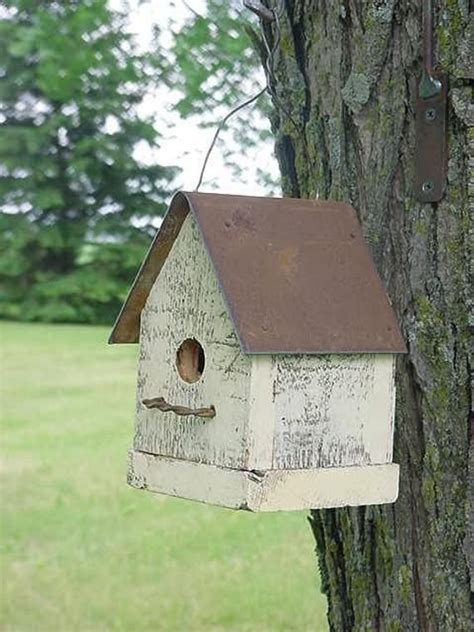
point(271, 490)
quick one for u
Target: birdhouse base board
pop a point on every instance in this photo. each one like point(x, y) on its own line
point(265, 490)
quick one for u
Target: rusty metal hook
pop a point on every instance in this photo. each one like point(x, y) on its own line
point(161, 404)
point(429, 86)
point(263, 12)
point(431, 109)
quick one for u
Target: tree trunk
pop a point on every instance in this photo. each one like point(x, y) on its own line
point(345, 75)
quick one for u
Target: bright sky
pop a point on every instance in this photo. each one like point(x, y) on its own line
point(184, 143)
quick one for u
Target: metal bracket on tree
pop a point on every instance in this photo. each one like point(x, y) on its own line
point(431, 108)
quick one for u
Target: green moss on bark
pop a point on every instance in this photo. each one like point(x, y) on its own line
point(350, 85)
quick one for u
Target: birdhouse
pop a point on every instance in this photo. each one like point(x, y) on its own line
point(266, 364)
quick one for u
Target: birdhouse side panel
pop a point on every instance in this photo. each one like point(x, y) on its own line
point(185, 305)
point(333, 410)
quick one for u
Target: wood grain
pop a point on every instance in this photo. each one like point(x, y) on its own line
point(185, 302)
point(333, 410)
point(268, 490)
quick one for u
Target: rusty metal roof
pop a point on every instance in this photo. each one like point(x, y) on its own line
point(296, 275)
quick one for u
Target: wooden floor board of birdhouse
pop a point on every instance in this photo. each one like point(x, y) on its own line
point(268, 490)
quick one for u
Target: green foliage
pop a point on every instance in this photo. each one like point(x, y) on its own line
point(215, 61)
point(212, 58)
point(70, 86)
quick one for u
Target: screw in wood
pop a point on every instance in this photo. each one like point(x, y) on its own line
point(430, 114)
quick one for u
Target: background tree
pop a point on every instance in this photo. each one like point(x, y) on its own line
point(77, 203)
point(213, 65)
point(347, 73)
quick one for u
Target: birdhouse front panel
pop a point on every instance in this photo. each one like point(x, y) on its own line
point(267, 357)
point(190, 355)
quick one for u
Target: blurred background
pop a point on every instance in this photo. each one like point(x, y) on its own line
point(106, 108)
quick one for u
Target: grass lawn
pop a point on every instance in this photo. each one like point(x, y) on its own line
point(83, 552)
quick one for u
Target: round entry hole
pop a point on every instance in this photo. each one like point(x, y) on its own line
point(190, 360)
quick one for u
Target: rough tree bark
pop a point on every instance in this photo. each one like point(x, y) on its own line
point(346, 73)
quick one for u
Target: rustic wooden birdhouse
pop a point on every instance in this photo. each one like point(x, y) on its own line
point(266, 365)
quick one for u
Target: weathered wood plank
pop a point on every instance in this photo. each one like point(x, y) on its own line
point(290, 490)
point(270, 490)
point(186, 302)
point(261, 426)
point(333, 410)
point(196, 481)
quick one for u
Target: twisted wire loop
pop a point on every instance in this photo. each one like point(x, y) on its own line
point(268, 15)
point(219, 128)
point(161, 404)
point(263, 12)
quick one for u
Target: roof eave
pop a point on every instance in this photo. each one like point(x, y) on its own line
point(126, 329)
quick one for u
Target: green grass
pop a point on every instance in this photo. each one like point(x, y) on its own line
point(83, 552)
